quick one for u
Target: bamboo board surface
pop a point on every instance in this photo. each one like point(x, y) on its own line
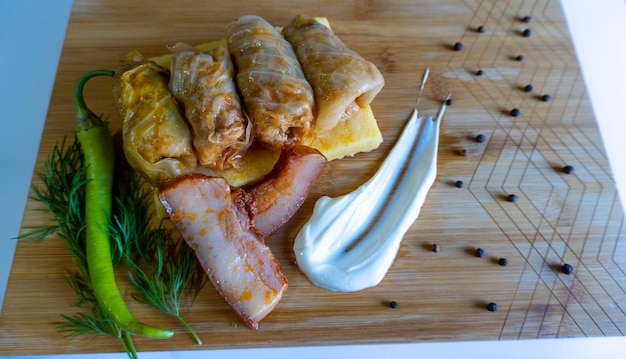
point(558, 219)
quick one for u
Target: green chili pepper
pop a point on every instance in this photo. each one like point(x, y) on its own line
point(97, 147)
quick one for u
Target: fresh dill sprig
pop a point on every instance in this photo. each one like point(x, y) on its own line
point(63, 193)
point(91, 320)
point(61, 189)
point(161, 268)
point(162, 284)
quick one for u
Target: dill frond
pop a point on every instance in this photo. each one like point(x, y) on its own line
point(63, 193)
point(161, 267)
point(63, 181)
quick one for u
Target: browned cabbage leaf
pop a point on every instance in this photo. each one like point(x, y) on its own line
point(203, 82)
point(157, 140)
point(341, 78)
point(277, 97)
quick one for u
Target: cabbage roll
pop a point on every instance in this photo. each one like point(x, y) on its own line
point(203, 82)
point(156, 138)
point(276, 95)
point(340, 77)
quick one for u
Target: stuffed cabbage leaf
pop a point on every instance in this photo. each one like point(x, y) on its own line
point(156, 138)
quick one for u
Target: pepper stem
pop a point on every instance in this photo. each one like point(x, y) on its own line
point(85, 118)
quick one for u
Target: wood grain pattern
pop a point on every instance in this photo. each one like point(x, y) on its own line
point(559, 218)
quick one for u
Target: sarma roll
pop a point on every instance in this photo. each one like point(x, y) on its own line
point(340, 77)
point(203, 82)
point(156, 138)
point(277, 97)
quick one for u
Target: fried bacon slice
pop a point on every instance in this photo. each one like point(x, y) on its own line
point(226, 226)
point(242, 268)
point(284, 189)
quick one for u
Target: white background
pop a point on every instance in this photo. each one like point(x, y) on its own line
point(32, 33)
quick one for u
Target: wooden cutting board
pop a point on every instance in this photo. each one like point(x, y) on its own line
point(559, 218)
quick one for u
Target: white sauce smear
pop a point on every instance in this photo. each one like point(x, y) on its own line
point(350, 242)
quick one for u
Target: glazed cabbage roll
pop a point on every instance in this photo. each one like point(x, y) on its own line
point(276, 95)
point(203, 82)
point(341, 78)
point(156, 138)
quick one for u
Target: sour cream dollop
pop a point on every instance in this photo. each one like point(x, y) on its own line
point(350, 242)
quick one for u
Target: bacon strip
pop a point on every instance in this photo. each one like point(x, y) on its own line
point(284, 190)
point(242, 268)
point(226, 227)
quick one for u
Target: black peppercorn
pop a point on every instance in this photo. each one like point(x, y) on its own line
point(515, 112)
point(520, 58)
point(393, 304)
point(546, 98)
point(503, 262)
point(527, 33)
point(436, 248)
point(459, 184)
point(480, 252)
point(512, 198)
point(567, 268)
point(481, 138)
point(528, 88)
point(480, 29)
point(479, 73)
point(527, 19)
point(492, 307)
point(568, 169)
point(458, 46)
point(449, 102)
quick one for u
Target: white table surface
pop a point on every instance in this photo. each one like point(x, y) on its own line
point(32, 34)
